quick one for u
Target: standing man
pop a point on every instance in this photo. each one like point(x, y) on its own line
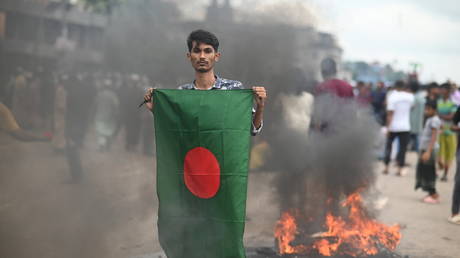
point(195, 218)
point(447, 139)
point(331, 84)
point(455, 208)
point(378, 102)
point(416, 115)
point(203, 47)
point(399, 107)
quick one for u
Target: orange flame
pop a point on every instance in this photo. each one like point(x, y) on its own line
point(356, 235)
point(285, 232)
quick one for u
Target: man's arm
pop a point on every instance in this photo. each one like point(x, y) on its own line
point(260, 95)
point(389, 118)
point(448, 117)
point(427, 154)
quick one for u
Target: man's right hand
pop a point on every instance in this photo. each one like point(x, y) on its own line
point(148, 97)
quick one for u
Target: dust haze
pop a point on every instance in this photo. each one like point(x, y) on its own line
point(85, 194)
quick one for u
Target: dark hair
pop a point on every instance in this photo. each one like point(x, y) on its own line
point(202, 36)
point(328, 67)
point(414, 86)
point(432, 104)
point(446, 86)
point(432, 85)
point(400, 84)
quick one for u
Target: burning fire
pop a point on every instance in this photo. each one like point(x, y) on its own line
point(356, 235)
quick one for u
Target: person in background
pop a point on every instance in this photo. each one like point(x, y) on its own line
point(59, 121)
point(426, 166)
point(9, 125)
point(399, 104)
point(331, 84)
point(106, 116)
point(378, 102)
point(432, 92)
point(358, 87)
point(447, 138)
point(33, 104)
point(19, 103)
point(364, 97)
point(79, 99)
point(455, 94)
point(131, 118)
point(416, 115)
point(455, 209)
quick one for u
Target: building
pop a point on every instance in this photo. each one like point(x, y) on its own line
point(48, 34)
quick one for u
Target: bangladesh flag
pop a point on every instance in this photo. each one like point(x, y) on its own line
point(203, 142)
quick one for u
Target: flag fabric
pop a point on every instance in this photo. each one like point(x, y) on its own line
point(203, 144)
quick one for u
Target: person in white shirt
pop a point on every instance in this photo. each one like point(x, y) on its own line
point(399, 105)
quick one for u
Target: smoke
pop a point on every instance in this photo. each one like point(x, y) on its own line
point(147, 37)
point(294, 13)
point(317, 170)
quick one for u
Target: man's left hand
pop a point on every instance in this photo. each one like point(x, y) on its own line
point(260, 95)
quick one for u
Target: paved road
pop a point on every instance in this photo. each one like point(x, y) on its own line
point(113, 212)
point(426, 231)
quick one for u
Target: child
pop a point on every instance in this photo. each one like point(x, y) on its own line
point(426, 167)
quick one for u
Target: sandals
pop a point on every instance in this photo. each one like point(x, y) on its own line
point(454, 219)
point(430, 200)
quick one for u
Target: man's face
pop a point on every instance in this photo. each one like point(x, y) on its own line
point(444, 92)
point(434, 92)
point(203, 57)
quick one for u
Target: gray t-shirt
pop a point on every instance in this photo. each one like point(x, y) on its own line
point(431, 123)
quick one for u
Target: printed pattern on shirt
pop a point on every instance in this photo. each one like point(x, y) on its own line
point(220, 84)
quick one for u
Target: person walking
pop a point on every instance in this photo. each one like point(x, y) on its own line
point(447, 139)
point(399, 105)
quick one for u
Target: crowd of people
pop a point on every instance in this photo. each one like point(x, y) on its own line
point(420, 118)
point(414, 117)
point(66, 106)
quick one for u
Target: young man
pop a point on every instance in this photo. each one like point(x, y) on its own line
point(331, 84)
point(426, 167)
point(399, 104)
point(447, 139)
point(203, 53)
point(432, 92)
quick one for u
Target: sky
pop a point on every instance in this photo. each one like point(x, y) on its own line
point(399, 32)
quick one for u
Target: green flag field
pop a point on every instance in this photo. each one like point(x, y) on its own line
point(203, 144)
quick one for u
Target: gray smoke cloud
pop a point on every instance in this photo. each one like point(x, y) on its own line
point(147, 37)
point(318, 170)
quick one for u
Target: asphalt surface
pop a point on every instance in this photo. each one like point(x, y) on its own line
point(112, 212)
point(426, 231)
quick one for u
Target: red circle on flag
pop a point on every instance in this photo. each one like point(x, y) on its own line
point(202, 173)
